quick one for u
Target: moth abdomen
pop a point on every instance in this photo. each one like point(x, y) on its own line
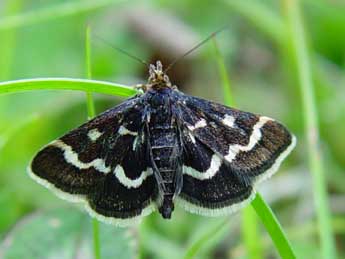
point(163, 143)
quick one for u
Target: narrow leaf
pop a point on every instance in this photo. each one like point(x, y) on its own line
point(102, 87)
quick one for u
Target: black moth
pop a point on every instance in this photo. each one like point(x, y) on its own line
point(161, 147)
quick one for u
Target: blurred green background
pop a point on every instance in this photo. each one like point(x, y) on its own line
point(47, 39)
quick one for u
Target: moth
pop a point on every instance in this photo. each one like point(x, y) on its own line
point(162, 147)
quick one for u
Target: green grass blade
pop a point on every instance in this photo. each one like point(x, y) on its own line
point(194, 249)
point(76, 84)
point(90, 114)
point(250, 233)
point(273, 227)
point(262, 209)
point(300, 48)
point(96, 239)
point(68, 8)
point(228, 96)
point(261, 17)
point(8, 41)
point(89, 100)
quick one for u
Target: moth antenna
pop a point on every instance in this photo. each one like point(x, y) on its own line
point(122, 51)
point(194, 48)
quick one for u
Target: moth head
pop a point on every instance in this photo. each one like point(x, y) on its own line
point(158, 79)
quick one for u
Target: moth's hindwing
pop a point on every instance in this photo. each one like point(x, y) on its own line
point(226, 153)
point(103, 164)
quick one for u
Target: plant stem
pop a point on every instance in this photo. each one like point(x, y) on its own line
point(90, 114)
point(273, 227)
point(96, 240)
point(102, 87)
point(262, 209)
point(89, 100)
point(199, 244)
point(311, 121)
point(8, 40)
point(228, 96)
point(250, 233)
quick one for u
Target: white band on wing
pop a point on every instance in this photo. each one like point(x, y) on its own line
point(131, 183)
point(72, 158)
point(200, 124)
point(215, 164)
point(234, 149)
point(98, 163)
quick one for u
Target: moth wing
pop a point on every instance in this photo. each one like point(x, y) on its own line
point(226, 152)
point(253, 146)
point(210, 187)
point(103, 164)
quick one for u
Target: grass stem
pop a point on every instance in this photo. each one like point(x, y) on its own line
point(273, 227)
point(250, 233)
point(196, 247)
point(311, 122)
point(89, 99)
point(260, 206)
point(90, 114)
point(226, 84)
point(76, 84)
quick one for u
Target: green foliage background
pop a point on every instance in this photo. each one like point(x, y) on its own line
point(47, 40)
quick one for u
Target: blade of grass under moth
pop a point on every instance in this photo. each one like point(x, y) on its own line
point(77, 84)
point(90, 114)
point(68, 8)
point(195, 248)
point(297, 37)
point(250, 233)
point(272, 225)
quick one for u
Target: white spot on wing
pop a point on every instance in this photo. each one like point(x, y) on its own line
point(124, 131)
point(234, 149)
point(72, 158)
point(129, 183)
point(94, 134)
point(201, 123)
point(228, 120)
point(215, 164)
